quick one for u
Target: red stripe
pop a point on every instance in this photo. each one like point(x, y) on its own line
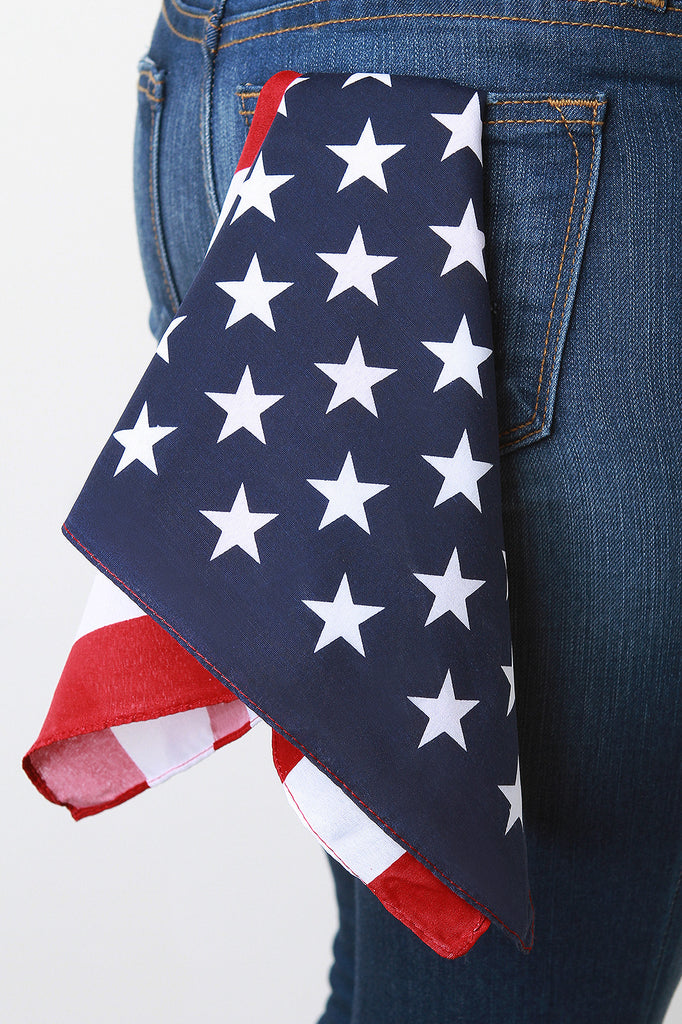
point(284, 754)
point(268, 103)
point(130, 671)
point(444, 921)
point(228, 722)
point(87, 773)
point(408, 890)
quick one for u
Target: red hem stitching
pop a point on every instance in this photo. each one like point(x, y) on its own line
point(313, 757)
point(451, 952)
point(78, 812)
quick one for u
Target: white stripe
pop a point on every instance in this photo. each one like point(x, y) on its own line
point(167, 745)
point(339, 823)
point(106, 605)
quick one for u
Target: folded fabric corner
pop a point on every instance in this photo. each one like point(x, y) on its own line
point(298, 516)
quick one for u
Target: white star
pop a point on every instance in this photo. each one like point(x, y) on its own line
point(450, 591)
point(513, 795)
point(352, 79)
point(445, 713)
point(282, 108)
point(466, 242)
point(346, 496)
point(253, 295)
point(354, 379)
point(509, 673)
point(256, 191)
point(460, 473)
point(365, 159)
point(162, 347)
point(342, 618)
point(238, 526)
point(465, 128)
point(138, 442)
point(460, 357)
point(354, 268)
point(243, 407)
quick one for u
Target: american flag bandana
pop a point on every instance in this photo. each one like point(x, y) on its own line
point(298, 518)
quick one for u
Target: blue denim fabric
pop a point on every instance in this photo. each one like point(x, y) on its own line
point(583, 167)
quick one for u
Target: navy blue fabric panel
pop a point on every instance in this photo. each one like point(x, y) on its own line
point(260, 614)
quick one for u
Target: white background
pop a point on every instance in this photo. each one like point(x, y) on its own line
point(204, 900)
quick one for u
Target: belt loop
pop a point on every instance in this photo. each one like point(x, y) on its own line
point(211, 43)
point(657, 5)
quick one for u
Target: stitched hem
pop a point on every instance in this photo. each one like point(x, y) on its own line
point(309, 753)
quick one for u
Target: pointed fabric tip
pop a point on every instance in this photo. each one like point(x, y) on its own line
point(312, 543)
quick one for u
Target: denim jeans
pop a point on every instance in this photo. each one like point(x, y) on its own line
point(583, 171)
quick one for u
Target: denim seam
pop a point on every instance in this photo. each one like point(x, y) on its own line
point(564, 100)
point(541, 120)
point(563, 310)
point(568, 286)
point(194, 14)
point(449, 15)
point(211, 41)
point(276, 9)
point(177, 32)
point(250, 91)
point(155, 206)
point(247, 92)
point(146, 92)
point(268, 718)
point(520, 426)
point(575, 256)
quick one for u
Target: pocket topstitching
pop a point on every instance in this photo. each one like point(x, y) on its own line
point(541, 160)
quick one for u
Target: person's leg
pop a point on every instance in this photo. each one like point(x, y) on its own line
point(592, 506)
point(339, 1007)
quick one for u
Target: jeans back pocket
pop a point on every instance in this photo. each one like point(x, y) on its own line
point(541, 155)
point(541, 162)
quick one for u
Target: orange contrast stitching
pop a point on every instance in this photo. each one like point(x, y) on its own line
point(154, 99)
point(272, 10)
point(413, 14)
point(450, 15)
point(174, 30)
point(263, 714)
point(205, 17)
point(308, 3)
point(541, 120)
point(570, 276)
point(563, 310)
point(243, 96)
point(520, 426)
point(555, 101)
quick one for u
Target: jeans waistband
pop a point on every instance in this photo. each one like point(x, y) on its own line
point(202, 21)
